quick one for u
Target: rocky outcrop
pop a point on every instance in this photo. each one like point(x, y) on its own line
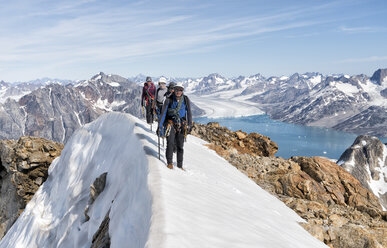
point(101, 238)
point(95, 190)
point(366, 160)
point(23, 168)
point(244, 143)
point(334, 203)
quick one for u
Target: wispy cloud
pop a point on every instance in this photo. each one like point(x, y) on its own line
point(355, 30)
point(363, 60)
point(124, 32)
point(93, 31)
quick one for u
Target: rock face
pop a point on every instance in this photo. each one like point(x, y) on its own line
point(335, 204)
point(101, 238)
point(379, 76)
point(366, 160)
point(244, 143)
point(23, 168)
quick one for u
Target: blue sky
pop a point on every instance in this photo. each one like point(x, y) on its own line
point(75, 39)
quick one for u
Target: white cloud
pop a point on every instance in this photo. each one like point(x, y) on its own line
point(354, 30)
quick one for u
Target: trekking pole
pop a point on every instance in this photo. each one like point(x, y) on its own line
point(158, 144)
point(143, 111)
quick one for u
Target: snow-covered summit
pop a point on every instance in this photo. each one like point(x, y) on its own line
point(210, 204)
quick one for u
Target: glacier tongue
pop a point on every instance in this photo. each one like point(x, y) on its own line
point(210, 204)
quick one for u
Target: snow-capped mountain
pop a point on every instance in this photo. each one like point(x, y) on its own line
point(55, 111)
point(336, 102)
point(141, 78)
point(108, 189)
point(46, 81)
point(18, 89)
point(355, 104)
point(351, 103)
point(366, 160)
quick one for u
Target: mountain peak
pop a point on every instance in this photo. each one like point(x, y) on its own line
point(365, 160)
point(379, 76)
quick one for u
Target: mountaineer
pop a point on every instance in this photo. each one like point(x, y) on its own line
point(175, 123)
point(160, 95)
point(148, 98)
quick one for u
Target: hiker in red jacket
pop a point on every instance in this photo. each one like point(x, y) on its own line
point(148, 98)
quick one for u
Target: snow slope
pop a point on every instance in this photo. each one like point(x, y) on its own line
point(210, 204)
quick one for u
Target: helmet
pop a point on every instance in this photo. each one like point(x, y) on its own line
point(148, 79)
point(171, 85)
point(179, 85)
point(162, 80)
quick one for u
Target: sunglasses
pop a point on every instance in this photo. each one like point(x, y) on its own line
point(179, 89)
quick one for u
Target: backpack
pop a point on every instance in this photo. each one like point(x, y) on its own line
point(174, 113)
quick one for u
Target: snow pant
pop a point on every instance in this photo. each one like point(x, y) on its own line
point(175, 138)
point(149, 113)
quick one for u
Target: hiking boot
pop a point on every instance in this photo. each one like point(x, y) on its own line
point(170, 166)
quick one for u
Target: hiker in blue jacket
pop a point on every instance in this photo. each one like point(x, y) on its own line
point(175, 123)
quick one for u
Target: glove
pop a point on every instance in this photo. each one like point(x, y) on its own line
point(158, 131)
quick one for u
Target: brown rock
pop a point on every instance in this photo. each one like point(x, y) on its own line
point(213, 124)
point(316, 230)
point(241, 135)
point(336, 220)
point(23, 168)
point(254, 144)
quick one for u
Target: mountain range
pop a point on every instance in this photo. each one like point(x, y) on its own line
point(55, 111)
point(356, 104)
point(55, 108)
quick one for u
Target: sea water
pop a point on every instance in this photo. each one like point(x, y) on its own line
point(292, 140)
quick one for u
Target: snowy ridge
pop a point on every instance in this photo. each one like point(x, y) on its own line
point(211, 204)
point(55, 216)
